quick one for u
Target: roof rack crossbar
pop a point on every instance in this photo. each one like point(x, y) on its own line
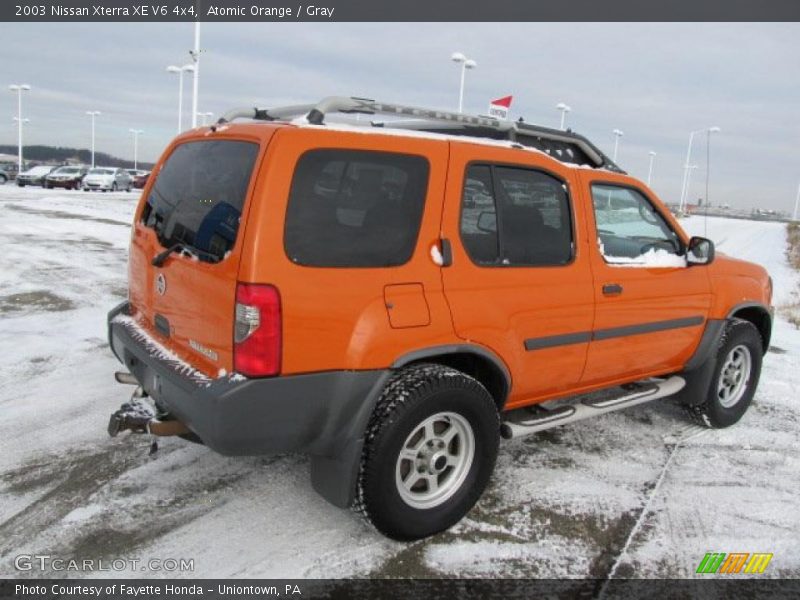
point(514, 131)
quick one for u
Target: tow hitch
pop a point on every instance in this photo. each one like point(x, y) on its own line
point(138, 416)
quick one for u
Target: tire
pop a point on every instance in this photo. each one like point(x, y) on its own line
point(3, 180)
point(451, 403)
point(20, 184)
point(735, 377)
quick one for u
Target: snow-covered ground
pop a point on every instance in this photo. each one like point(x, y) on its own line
point(638, 493)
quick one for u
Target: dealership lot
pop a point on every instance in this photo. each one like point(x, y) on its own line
point(639, 493)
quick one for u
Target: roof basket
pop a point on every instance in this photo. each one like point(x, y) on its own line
point(565, 146)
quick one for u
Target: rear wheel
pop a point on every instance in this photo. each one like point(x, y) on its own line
point(735, 376)
point(430, 448)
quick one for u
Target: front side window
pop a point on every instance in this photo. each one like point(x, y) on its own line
point(198, 196)
point(354, 208)
point(515, 216)
point(631, 231)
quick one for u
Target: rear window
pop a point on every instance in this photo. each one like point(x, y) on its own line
point(352, 208)
point(198, 196)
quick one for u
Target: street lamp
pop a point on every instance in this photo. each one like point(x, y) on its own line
point(195, 54)
point(708, 157)
point(617, 134)
point(796, 204)
point(466, 63)
point(180, 71)
point(684, 190)
point(19, 88)
point(136, 133)
point(203, 116)
point(93, 114)
point(689, 170)
point(564, 110)
point(650, 170)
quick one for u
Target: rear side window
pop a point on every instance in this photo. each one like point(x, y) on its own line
point(197, 198)
point(352, 208)
point(515, 217)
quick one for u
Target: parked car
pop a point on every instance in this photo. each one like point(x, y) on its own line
point(10, 170)
point(343, 294)
point(68, 177)
point(34, 176)
point(107, 179)
point(139, 177)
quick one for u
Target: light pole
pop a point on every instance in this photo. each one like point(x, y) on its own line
point(93, 114)
point(180, 71)
point(689, 170)
point(617, 134)
point(796, 203)
point(466, 63)
point(19, 88)
point(195, 53)
point(684, 190)
point(203, 116)
point(564, 110)
point(650, 169)
point(136, 133)
point(708, 157)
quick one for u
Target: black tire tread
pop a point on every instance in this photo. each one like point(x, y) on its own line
point(401, 389)
point(699, 413)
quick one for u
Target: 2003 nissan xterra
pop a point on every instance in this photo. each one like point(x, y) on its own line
point(393, 297)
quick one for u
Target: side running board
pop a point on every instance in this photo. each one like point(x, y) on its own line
point(528, 420)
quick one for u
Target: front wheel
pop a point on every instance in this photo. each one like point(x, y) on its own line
point(430, 449)
point(735, 376)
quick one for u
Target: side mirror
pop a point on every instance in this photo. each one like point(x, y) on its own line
point(487, 222)
point(700, 251)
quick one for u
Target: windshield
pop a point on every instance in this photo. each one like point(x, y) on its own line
point(101, 171)
point(66, 171)
point(198, 196)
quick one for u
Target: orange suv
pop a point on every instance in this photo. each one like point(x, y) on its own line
point(392, 298)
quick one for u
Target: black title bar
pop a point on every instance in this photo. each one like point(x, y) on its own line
point(398, 10)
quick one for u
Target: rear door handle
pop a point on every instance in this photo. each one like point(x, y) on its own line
point(612, 289)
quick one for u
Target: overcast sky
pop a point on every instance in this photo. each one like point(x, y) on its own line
point(655, 82)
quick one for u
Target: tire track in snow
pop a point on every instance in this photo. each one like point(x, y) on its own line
point(688, 434)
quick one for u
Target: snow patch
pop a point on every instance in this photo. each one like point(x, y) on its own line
point(436, 255)
point(653, 258)
point(159, 350)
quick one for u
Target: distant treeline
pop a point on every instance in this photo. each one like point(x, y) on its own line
point(59, 155)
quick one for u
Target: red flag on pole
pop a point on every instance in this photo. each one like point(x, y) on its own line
point(499, 108)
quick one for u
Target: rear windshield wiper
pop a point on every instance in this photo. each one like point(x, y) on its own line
point(161, 257)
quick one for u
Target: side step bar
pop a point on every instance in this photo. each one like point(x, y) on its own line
point(523, 422)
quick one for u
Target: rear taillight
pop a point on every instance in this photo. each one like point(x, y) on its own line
point(257, 330)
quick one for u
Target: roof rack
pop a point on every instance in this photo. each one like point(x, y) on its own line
point(565, 146)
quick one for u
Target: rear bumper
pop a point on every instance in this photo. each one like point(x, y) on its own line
point(321, 414)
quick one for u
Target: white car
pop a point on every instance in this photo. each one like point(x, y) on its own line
point(107, 179)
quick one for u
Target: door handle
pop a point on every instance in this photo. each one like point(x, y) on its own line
point(612, 289)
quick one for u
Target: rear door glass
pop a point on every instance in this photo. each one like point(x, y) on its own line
point(198, 196)
point(353, 208)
